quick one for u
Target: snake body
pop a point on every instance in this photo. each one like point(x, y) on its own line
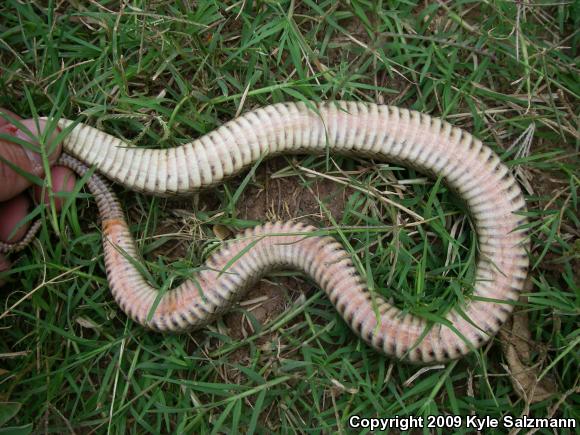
point(388, 133)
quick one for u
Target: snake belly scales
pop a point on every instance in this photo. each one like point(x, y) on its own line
point(381, 132)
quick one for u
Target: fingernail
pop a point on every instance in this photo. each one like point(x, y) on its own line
point(35, 160)
point(31, 136)
point(30, 131)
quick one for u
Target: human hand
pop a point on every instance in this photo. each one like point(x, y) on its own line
point(14, 203)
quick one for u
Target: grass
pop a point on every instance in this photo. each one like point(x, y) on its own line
point(160, 73)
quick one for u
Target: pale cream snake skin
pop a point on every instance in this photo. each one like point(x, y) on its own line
point(381, 132)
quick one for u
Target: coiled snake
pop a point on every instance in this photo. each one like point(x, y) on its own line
point(381, 132)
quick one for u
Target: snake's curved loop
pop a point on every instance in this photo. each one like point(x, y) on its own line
point(381, 132)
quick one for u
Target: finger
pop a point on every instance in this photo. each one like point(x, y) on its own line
point(11, 213)
point(63, 180)
point(4, 266)
point(11, 183)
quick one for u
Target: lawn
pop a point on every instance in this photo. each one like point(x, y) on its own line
point(161, 73)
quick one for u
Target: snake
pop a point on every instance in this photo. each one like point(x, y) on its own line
point(379, 132)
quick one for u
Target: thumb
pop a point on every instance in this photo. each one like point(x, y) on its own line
point(12, 183)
